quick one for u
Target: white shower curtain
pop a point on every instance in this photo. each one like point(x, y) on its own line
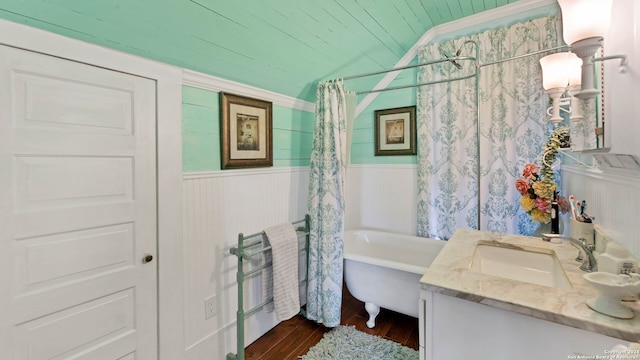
point(512, 104)
point(326, 203)
point(446, 129)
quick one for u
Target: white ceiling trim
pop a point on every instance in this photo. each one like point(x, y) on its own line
point(214, 83)
point(469, 21)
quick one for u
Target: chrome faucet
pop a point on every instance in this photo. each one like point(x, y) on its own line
point(589, 263)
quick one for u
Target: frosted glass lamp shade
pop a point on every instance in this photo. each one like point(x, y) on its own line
point(575, 69)
point(583, 19)
point(555, 72)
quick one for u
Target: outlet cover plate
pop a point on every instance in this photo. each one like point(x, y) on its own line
point(210, 307)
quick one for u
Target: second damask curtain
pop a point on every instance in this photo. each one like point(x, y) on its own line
point(512, 104)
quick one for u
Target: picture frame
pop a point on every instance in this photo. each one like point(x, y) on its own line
point(246, 132)
point(395, 131)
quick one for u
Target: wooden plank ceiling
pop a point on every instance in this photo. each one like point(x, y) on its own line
point(284, 46)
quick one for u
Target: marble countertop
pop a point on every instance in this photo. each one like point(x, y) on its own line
point(449, 274)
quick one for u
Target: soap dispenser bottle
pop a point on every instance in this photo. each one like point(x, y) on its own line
point(555, 221)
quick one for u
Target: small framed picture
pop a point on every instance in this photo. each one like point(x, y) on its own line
point(395, 131)
point(246, 133)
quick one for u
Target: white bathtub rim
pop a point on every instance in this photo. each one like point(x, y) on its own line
point(387, 263)
point(374, 259)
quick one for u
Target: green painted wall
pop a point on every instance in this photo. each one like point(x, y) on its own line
point(292, 133)
point(362, 142)
point(200, 130)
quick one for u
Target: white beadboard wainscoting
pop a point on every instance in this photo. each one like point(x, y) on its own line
point(382, 197)
point(220, 204)
point(217, 206)
point(613, 198)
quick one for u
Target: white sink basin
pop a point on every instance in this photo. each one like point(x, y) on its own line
point(534, 265)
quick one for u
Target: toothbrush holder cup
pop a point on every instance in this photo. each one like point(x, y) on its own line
point(581, 230)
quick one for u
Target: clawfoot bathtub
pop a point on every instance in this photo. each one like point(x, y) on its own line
point(383, 269)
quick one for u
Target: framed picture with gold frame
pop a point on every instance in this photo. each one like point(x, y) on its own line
point(246, 132)
point(395, 131)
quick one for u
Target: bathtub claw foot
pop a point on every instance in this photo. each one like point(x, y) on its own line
point(373, 311)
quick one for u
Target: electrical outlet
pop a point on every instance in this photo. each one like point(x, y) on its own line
point(210, 307)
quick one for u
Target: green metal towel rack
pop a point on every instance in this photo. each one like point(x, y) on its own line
point(242, 253)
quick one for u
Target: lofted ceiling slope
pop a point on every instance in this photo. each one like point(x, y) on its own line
point(284, 46)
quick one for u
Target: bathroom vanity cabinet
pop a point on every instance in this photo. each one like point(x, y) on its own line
point(468, 314)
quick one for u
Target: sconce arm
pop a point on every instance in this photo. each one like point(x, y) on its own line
point(622, 68)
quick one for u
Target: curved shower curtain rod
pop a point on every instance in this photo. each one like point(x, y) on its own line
point(446, 59)
point(452, 60)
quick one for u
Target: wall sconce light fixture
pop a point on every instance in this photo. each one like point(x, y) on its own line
point(584, 25)
point(574, 66)
point(562, 72)
point(555, 79)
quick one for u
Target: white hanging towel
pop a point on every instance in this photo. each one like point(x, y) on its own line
point(281, 279)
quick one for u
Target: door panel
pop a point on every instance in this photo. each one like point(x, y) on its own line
point(65, 104)
point(77, 211)
point(50, 181)
point(52, 336)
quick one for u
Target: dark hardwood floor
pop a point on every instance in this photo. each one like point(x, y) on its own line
point(293, 338)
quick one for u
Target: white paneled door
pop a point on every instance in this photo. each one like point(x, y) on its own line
point(78, 273)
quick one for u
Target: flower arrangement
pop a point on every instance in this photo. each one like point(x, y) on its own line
point(537, 186)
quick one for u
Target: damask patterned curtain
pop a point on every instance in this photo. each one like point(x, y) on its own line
point(511, 106)
point(326, 203)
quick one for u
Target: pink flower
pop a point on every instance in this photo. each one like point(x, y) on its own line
point(530, 171)
point(563, 205)
point(522, 186)
point(542, 204)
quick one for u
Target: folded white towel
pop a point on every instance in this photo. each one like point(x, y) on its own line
point(281, 279)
